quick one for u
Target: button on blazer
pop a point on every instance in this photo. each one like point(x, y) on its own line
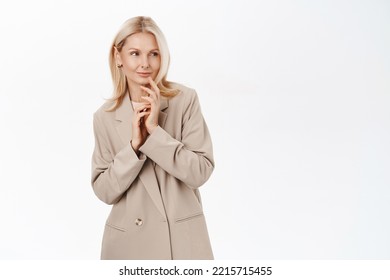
point(157, 210)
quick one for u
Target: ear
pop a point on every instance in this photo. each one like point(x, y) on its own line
point(117, 56)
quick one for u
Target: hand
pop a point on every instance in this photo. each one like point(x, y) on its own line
point(139, 132)
point(151, 120)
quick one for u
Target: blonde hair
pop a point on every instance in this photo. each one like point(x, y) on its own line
point(130, 27)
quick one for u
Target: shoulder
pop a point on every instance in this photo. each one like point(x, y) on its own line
point(186, 94)
point(186, 102)
point(101, 115)
point(182, 88)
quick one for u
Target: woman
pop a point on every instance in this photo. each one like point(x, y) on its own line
point(152, 153)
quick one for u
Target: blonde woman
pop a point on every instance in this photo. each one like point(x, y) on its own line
point(152, 153)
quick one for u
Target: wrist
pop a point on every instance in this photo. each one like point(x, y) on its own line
point(152, 129)
point(135, 145)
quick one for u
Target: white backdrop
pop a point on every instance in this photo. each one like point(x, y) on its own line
point(296, 95)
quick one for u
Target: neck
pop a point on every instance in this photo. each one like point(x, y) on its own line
point(136, 92)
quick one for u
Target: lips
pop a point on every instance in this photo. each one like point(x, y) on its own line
point(144, 74)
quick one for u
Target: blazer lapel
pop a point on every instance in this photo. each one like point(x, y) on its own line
point(124, 115)
point(148, 178)
point(162, 117)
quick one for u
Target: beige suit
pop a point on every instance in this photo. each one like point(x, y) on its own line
point(157, 211)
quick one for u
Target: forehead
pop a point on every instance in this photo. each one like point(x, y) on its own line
point(142, 40)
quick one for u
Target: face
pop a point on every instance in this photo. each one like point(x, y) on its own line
point(140, 58)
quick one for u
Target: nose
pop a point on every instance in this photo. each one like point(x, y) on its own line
point(145, 62)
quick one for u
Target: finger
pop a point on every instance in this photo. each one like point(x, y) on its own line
point(143, 114)
point(154, 86)
point(140, 113)
point(151, 92)
point(142, 108)
point(154, 106)
point(150, 99)
point(140, 116)
point(148, 90)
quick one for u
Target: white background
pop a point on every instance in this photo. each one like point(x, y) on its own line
point(296, 95)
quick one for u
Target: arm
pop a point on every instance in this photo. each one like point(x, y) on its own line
point(112, 175)
point(189, 160)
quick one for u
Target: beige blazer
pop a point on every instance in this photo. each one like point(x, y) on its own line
point(157, 211)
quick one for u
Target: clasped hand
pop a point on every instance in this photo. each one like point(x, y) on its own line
point(145, 118)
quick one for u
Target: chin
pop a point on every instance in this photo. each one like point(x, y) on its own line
point(143, 81)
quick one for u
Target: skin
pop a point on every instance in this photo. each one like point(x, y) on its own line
point(140, 54)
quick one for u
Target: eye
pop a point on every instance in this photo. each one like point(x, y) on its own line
point(154, 54)
point(134, 53)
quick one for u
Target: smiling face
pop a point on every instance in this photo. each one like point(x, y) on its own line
point(140, 59)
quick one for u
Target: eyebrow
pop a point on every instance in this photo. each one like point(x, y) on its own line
point(153, 50)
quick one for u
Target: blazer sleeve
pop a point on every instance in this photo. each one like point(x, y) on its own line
point(191, 159)
point(112, 175)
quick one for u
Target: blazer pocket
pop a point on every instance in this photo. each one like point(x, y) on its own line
point(115, 227)
point(188, 218)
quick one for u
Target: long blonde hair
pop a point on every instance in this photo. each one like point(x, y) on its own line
point(130, 27)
